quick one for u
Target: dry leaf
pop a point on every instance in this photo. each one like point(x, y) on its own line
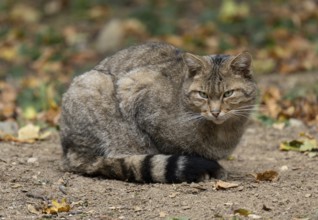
point(198, 186)
point(224, 185)
point(269, 175)
point(57, 207)
point(33, 210)
point(266, 208)
point(28, 132)
point(243, 212)
point(306, 144)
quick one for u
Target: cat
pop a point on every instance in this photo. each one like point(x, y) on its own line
point(154, 113)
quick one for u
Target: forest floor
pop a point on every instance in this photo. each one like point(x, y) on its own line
point(30, 178)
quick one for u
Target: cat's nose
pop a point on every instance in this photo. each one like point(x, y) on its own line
point(215, 114)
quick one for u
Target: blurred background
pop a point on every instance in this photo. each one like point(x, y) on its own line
point(44, 44)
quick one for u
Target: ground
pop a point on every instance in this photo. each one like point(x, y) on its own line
point(30, 177)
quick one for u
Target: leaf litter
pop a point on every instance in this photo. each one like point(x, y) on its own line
point(268, 175)
point(54, 207)
point(27, 134)
point(222, 185)
point(305, 144)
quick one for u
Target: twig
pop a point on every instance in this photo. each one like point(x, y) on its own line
point(62, 189)
point(36, 196)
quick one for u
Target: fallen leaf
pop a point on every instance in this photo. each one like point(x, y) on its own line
point(33, 210)
point(57, 207)
point(243, 212)
point(198, 186)
point(306, 143)
point(269, 175)
point(224, 185)
point(28, 132)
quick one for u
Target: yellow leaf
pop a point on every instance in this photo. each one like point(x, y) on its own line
point(8, 53)
point(30, 113)
point(56, 207)
point(243, 212)
point(29, 132)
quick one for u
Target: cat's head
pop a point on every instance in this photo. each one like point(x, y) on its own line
point(220, 87)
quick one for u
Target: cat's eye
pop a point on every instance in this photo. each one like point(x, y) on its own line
point(203, 95)
point(228, 93)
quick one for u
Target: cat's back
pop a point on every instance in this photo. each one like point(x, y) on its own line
point(153, 55)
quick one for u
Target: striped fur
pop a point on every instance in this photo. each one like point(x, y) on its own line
point(148, 168)
point(140, 115)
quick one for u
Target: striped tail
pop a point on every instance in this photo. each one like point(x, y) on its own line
point(148, 168)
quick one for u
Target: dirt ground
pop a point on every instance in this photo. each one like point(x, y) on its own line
point(30, 177)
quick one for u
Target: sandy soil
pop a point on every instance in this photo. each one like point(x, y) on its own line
point(30, 177)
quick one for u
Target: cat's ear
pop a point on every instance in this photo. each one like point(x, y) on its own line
point(194, 63)
point(241, 64)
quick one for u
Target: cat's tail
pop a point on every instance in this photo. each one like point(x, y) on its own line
point(147, 168)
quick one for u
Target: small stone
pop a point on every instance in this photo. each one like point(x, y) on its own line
point(137, 208)
point(284, 168)
point(308, 195)
point(32, 160)
point(162, 214)
point(173, 195)
point(253, 216)
point(240, 188)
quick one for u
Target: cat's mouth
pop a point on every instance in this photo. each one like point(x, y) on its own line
point(220, 119)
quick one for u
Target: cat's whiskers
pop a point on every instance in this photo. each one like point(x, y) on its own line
point(239, 112)
point(189, 117)
point(255, 107)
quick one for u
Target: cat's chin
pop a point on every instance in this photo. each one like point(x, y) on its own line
point(215, 120)
point(218, 122)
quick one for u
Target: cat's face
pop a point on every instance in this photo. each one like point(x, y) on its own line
point(220, 87)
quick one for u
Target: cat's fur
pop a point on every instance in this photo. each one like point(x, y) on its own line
point(145, 114)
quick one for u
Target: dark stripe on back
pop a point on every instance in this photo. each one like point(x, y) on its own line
point(172, 166)
point(146, 169)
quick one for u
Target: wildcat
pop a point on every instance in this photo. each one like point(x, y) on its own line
point(154, 113)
